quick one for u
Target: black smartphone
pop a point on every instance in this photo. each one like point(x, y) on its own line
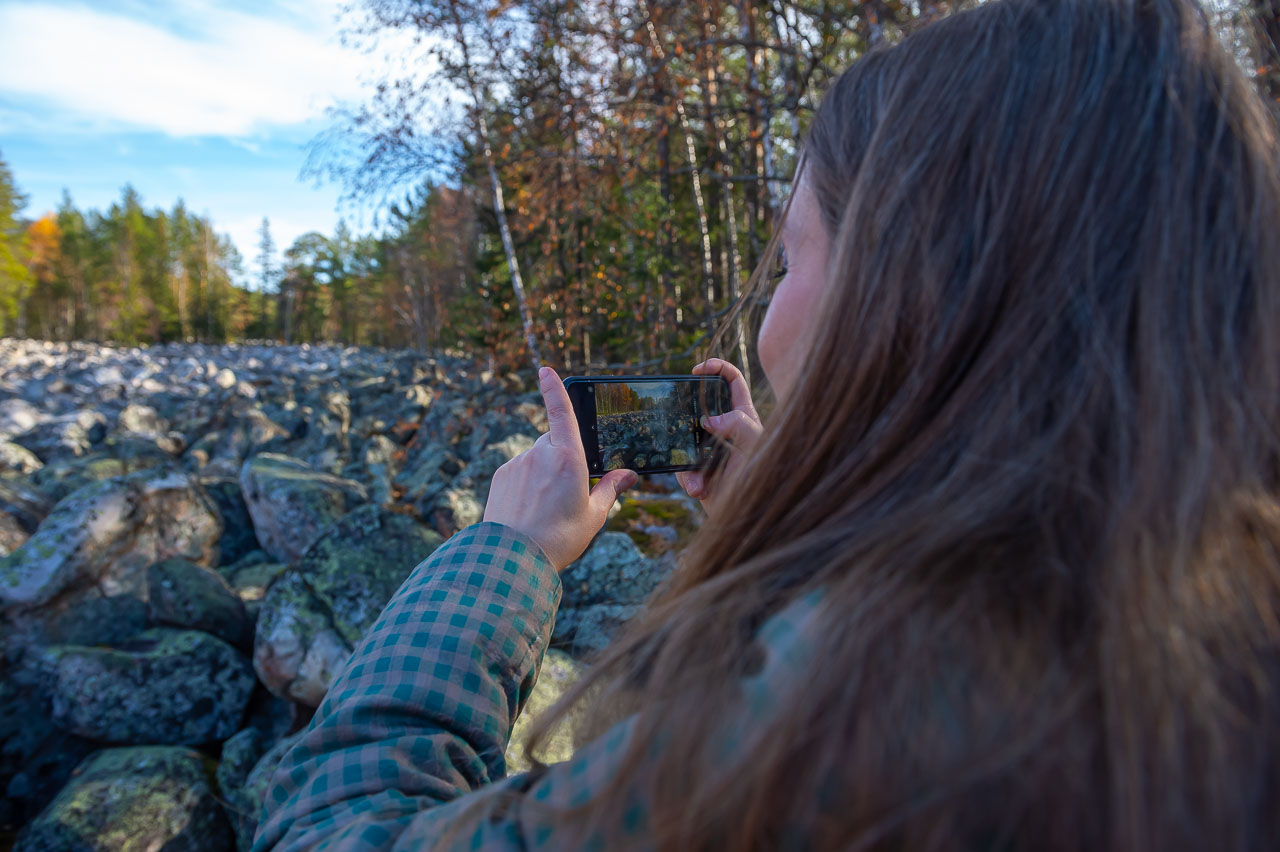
point(648, 424)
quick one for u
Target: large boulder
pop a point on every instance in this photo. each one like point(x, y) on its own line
point(291, 504)
point(604, 589)
point(106, 534)
point(315, 613)
point(133, 800)
point(186, 595)
point(177, 687)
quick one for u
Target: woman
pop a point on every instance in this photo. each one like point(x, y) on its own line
point(1003, 569)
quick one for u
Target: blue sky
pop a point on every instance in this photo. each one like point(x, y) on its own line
point(211, 102)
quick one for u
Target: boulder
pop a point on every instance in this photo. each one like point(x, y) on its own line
point(177, 687)
point(604, 589)
point(107, 532)
point(315, 613)
point(133, 800)
point(185, 595)
point(291, 504)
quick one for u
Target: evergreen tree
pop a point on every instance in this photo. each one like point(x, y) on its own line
point(15, 277)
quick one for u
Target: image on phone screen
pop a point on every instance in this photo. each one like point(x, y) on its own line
point(642, 425)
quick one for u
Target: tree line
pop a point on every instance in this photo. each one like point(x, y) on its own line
point(587, 183)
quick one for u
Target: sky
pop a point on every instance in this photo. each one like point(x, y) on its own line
point(211, 101)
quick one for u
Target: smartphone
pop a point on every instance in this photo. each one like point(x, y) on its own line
point(648, 424)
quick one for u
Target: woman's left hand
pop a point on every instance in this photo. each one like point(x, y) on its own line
point(543, 492)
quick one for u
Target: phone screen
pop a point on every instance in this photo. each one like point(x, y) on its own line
point(643, 425)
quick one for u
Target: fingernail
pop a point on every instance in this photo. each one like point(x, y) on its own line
point(708, 422)
point(631, 479)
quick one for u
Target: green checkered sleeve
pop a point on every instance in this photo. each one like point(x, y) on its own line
point(423, 710)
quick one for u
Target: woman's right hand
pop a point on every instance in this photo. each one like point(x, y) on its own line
point(739, 427)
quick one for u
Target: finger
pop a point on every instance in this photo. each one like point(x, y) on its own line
point(563, 426)
point(609, 487)
point(735, 426)
point(694, 485)
point(739, 392)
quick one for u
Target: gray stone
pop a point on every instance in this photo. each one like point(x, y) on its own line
point(177, 687)
point(183, 594)
point(585, 631)
point(613, 570)
point(316, 612)
point(106, 533)
point(133, 800)
point(603, 590)
point(291, 504)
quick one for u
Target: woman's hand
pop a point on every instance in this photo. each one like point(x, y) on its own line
point(543, 492)
point(739, 427)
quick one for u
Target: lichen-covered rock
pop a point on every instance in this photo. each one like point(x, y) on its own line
point(106, 533)
point(133, 800)
point(316, 612)
point(429, 470)
point(17, 459)
point(603, 590)
point(612, 570)
point(185, 595)
point(559, 672)
point(178, 687)
point(291, 504)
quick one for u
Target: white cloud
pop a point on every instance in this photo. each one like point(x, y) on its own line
point(217, 72)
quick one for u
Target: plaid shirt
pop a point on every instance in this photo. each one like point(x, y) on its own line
point(410, 736)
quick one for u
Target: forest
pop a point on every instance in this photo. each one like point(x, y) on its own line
point(584, 183)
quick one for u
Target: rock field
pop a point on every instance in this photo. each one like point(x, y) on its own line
point(194, 538)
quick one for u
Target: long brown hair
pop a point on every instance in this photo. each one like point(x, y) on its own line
point(1029, 474)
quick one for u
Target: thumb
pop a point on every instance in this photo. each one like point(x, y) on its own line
point(609, 487)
